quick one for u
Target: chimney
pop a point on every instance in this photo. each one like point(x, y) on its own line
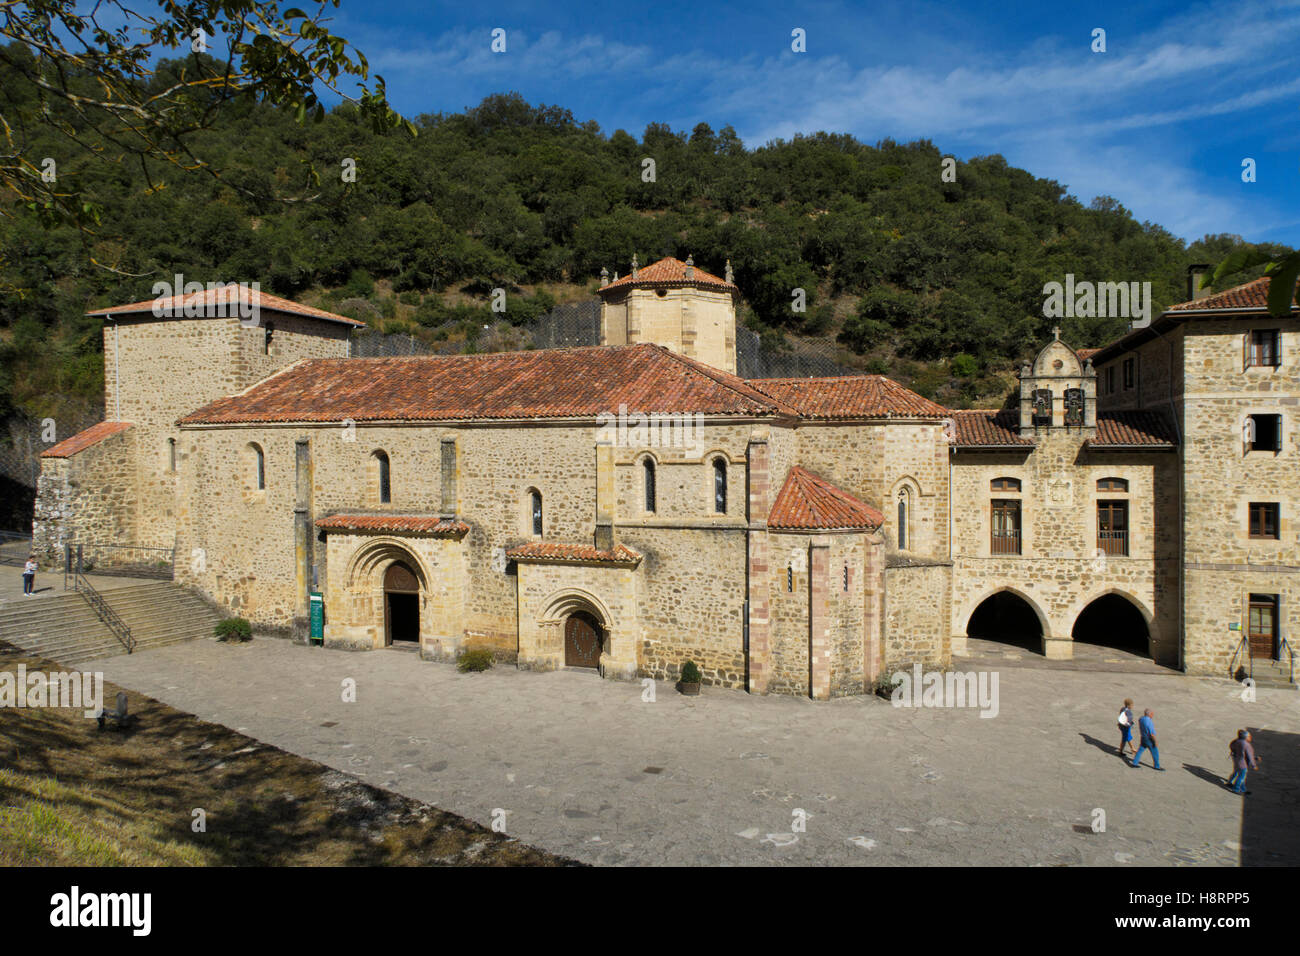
point(1194, 290)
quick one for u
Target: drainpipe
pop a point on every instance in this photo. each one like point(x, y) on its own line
point(302, 539)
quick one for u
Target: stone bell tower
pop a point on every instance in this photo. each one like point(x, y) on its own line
point(673, 304)
point(1058, 390)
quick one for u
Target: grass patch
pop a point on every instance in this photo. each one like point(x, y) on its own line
point(72, 795)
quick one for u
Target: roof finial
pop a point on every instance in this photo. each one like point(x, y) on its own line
point(690, 267)
point(729, 276)
point(1056, 331)
point(604, 277)
point(634, 265)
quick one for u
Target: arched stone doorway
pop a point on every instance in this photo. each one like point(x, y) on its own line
point(584, 638)
point(401, 605)
point(1113, 621)
point(1006, 618)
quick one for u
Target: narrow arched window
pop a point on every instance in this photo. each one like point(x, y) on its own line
point(171, 454)
point(384, 478)
point(536, 499)
point(648, 478)
point(902, 519)
point(268, 339)
point(259, 468)
point(719, 486)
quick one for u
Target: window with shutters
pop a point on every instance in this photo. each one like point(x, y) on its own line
point(1263, 519)
point(1263, 433)
point(1263, 348)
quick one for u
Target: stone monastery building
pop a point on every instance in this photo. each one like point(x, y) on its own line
point(632, 506)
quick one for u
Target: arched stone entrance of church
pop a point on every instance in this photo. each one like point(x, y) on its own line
point(401, 605)
point(584, 639)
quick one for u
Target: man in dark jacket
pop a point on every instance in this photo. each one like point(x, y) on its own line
point(1243, 758)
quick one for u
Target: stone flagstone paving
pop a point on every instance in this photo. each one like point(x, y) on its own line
point(586, 768)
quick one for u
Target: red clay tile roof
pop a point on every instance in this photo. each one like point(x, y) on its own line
point(1129, 429)
point(547, 383)
point(669, 272)
point(850, 396)
point(989, 428)
point(548, 552)
point(1085, 354)
point(227, 296)
point(808, 503)
point(1249, 295)
point(84, 439)
point(410, 524)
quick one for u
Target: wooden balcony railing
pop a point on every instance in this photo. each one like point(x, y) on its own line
point(1113, 542)
point(1005, 542)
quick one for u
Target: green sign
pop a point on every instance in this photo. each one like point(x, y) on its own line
point(1234, 627)
point(317, 616)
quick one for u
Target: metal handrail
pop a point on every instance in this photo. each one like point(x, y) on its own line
point(1286, 646)
point(105, 613)
point(1249, 657)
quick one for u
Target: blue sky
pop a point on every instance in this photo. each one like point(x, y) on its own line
point(1162, 120)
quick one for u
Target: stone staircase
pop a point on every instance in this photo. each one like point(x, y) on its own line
point(1273, 674)
point(65, 628)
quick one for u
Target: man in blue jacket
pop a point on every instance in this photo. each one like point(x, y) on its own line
point(1147, 730)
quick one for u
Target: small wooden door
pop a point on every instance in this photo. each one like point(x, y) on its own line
point(581, 641)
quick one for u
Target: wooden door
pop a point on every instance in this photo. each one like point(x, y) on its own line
point(581, 641)
point(1263, 626)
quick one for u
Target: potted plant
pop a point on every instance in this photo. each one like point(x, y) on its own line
point(689, 684)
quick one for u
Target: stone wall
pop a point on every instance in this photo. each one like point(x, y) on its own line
point(916, 614)
point(86, 499)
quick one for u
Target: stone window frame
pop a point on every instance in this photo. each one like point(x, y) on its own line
point(254, 471)
point(1005, 493)
point(1250, 353)
point(533, 513)
point(376, 478)
point(648, 468)
point(1276, 507)
point(714, 472)
point(1249, 433)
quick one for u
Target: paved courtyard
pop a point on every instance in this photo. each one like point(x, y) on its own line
point(586, 768)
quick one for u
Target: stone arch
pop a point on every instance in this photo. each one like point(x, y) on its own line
point(1136, 603)
point(369, 562)
point(560, 605)
point(1052, 352)
point(1044, 623)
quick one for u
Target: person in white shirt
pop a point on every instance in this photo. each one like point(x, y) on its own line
point(29, 575)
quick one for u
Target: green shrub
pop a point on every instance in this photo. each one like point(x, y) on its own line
point(691, 674)
point(964, 366)
point(477, 660)
point(885, 684)
point(233, 629)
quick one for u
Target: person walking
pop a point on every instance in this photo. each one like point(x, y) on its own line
point(1125, 722)
point(1147, 735)
point(29, 575)
point(1243, 758)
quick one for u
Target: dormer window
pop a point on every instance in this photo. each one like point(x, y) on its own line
point(1042, 406)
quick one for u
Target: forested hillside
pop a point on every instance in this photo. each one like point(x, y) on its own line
point(937, 283)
